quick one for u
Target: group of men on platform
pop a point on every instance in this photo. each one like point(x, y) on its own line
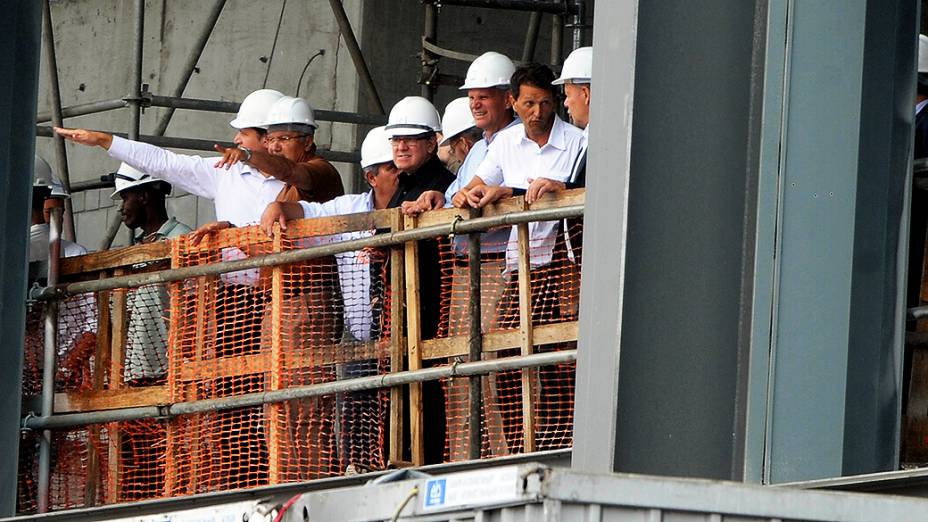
point(507, 139)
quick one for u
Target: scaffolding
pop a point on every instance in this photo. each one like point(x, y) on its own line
point(91, 420)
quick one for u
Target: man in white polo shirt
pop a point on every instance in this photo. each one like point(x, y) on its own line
point(531, 159)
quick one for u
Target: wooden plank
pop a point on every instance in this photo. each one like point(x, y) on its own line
point(527, 342)
point(397, 339)
point(413, 341)
point(101, 362)
point(100, 400)
point(499, 340)
point(116, 258)
point(506, 206)
point(274, 427)
point(113, 463)
point(119, 324)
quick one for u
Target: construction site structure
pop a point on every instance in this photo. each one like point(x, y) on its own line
point(739, 316)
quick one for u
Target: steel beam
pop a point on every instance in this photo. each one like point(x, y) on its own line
point(197, 104)
point(552, 7)
point(20, 36)
point(360, 65)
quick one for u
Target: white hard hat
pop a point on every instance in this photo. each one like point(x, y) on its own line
point(290, 110)
point(42, 176)
point(128, 177)
point(578, 67)
point(41, 173)
point(490, 69)
point(411, 116)
point(254, 108)
point(457, 119)
point(376, 148)
point(922, 53)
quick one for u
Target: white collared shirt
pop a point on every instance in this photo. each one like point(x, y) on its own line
point(513, 160)
point(354, 273)
point(239, 194)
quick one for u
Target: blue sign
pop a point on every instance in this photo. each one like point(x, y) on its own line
point(435, 493)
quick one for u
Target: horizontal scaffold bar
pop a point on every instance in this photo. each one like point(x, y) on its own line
point(305, 254)
point(58, 422)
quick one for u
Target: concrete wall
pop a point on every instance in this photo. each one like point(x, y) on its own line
point(94, 45)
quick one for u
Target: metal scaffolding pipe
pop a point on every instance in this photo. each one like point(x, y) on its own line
point(344, 26)
point(71, 420)
point(305, 254)
point(135, 100)
point(197, 104)
point(557, 40)
point(48, 360)
point(512, 5)
point(83, 109)
point(475, 342)
point(531, 37)
point(429, 68)
point(206, 145)
point(191, 63)
point(578, 23)
point(61, 151)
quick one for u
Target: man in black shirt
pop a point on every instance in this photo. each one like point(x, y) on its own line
point(412, 128)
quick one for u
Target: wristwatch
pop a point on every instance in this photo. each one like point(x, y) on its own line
point(247, 152)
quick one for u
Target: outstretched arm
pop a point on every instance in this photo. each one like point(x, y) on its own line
point(86, 137)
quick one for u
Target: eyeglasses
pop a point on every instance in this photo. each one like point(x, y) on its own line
point(284, 139)
point(408, 140)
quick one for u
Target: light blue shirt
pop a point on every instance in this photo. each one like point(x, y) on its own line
point(491, 242)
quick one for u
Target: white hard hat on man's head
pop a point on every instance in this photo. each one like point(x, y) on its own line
point(127, 177)
point(289, 113)
point(490, 69)
point(578, 67)
point(922, 53)
point(42, 176)
point(457, 119)
point(254, 108)
point(376, 148)
point(413, 116)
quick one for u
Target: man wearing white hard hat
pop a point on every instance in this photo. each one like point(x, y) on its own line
point(148, 307)
point(577, 79)
point(239, 193)
point(291, 154)
point(362, 279)
point(412, 126)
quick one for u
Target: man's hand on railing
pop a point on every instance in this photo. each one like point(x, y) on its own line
point(428, 200)
point(540, 186)
point(86, 137)
point(207, 230)
point(482, 195)
point(280, 212)
point(230, 156)
point(459, 199)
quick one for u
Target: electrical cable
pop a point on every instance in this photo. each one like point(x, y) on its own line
point(299, 83)
point(412, 494)
point(286, 506)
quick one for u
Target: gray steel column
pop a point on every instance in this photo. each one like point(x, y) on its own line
point(745, 217)
point(20, 33)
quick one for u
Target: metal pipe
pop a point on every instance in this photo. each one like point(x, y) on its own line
point(83, 109)
point(135, 100)
point(531, 37)
point(48, 362)
point(206, 145)
point(513, 5)
point(71, 420)
point(305, 254)
point(429, 61)
point(557, 40)
point(197, 104)
point(344, 26)
point(578, 23)
point(191, 63)
point(61, 152)
point(474, 341)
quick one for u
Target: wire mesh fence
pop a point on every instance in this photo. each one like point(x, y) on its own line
point(334, 318)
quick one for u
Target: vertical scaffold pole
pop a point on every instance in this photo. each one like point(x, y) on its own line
point(428, 59)
point(475, 342)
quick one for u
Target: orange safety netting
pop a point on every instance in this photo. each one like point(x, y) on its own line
point(309, 323)
point(555, 291)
